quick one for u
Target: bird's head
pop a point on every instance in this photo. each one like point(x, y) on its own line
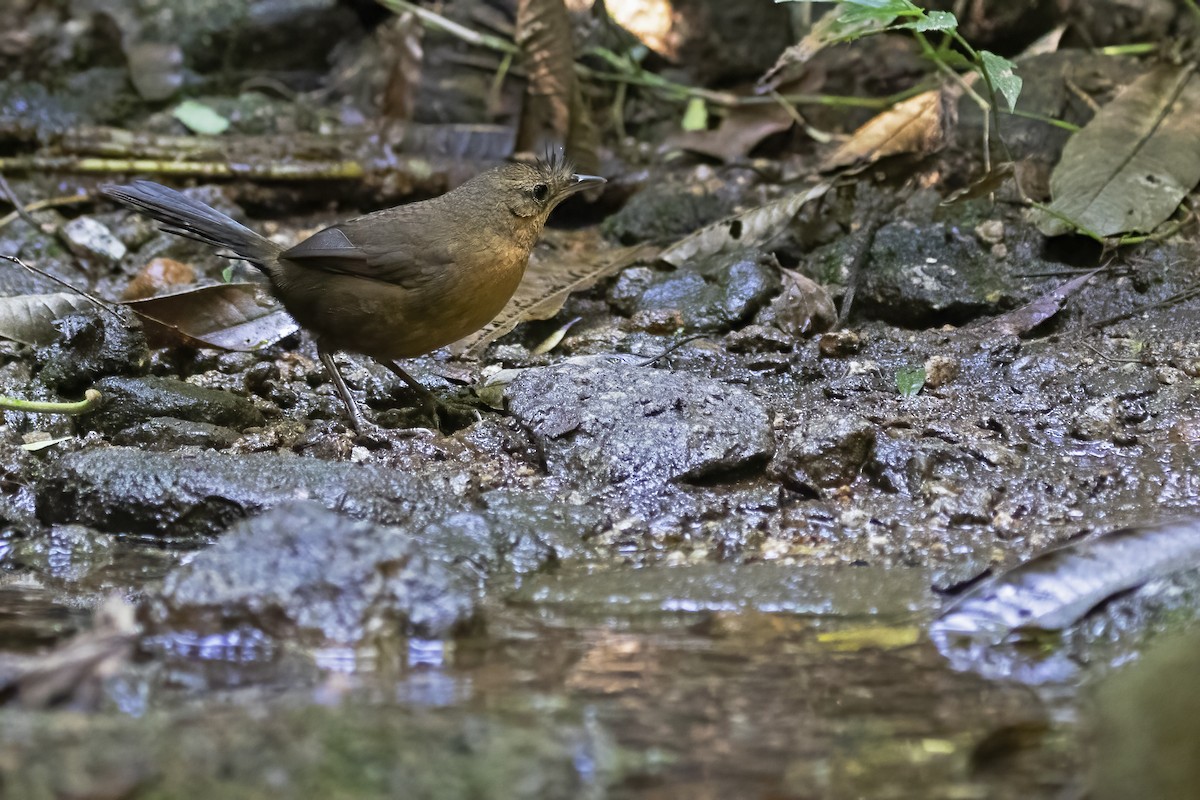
point(531, 191)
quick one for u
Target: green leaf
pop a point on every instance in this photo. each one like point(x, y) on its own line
point(1002, 77)
point(696, 116)
point(910, 380)
point(200, 118)
point(227, 274)
point(933, 21)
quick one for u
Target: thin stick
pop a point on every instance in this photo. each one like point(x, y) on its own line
point(75, 289)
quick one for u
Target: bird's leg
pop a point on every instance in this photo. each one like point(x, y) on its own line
point(356, 417)
point(428, 398)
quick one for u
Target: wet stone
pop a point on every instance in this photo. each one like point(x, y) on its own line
point(300, 569)
point(168, 433)
point(667, 211)
point(89, 347)
point(132, 401)
point(628, 425)
point(712, 294)
point(826, 451)
point(122, 489)
point(927, 274)
point(92, 241)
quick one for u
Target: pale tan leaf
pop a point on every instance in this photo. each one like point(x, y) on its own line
point(29, 318)
point(752, 228)
point(547, 284)
point(917, 125)
point(229, 316)
point(1130, 167)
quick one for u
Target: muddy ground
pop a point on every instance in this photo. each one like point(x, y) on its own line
point(636, 568)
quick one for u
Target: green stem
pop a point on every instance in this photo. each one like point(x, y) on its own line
point(89, 402)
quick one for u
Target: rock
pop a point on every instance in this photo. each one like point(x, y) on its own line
point(627, 425)
point(827, 450)
point(300, 569)
point(130, 401)
point(667, 210)
point(178, 495)
point(920, 275)
point(169, 433)
point(129, 490)
point(712, 294)
point(91, 241)
point(92, 345)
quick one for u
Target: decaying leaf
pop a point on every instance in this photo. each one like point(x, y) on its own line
point(71, 674)
point(229, 316)
point(29, 318)
point(739, 132)
point(752, 228)
point(1029, 316)
point(1130, 167)
point(917, 125)
point(803, 308)
point(546, 286)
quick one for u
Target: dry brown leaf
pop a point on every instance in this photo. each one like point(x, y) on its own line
point(752, 228)
point(741, 130)
point(804, 307)
point(917, 125)
point(547, 284)
point(229, 316)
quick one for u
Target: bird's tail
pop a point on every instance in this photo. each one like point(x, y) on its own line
point(181, 215)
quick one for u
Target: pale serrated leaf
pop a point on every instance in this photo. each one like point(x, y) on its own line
point(752, 228)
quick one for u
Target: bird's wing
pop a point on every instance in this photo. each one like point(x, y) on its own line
point(390, 246)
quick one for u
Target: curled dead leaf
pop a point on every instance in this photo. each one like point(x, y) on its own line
point(804, 307)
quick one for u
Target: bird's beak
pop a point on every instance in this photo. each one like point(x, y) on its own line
point(581, 183)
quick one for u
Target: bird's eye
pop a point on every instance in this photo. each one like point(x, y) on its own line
point(540, 192)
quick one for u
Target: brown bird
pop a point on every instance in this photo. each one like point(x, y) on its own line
point(396, 283)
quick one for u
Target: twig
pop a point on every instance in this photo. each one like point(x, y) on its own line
point(104, 305)
point(313, 170)
point(38, 205)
